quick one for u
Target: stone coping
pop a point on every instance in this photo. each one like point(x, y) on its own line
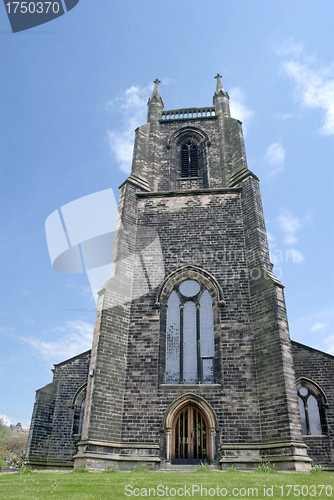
point(85, 442)
point(285, 444)
point(118, 458)
point(189, 192)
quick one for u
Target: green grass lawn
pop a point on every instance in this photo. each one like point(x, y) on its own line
point(165, 485)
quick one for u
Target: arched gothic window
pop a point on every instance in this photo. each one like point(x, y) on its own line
point(190, 335)
point(78, 407)
point(189, 160)
point(81, 415)
point(312, 413)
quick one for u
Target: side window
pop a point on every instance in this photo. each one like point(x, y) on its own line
point(312, 412)
point(78, 406)
point(173, 339)
point(190, 335)
point(207, 338)
point(81, 415)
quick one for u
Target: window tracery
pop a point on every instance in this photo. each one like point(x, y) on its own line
point(312, 409)
point(190, 335)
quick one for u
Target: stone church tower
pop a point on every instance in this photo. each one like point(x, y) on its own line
point(191, 358)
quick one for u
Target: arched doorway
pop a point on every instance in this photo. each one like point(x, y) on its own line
point(190, 427)
point(190, 441)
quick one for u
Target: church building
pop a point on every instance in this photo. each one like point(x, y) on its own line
point(191, 360)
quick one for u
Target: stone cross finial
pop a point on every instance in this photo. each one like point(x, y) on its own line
point(220, 87)
point(157, 81)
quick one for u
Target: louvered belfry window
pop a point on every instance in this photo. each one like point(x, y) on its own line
point(189, 160)
point(190, 335)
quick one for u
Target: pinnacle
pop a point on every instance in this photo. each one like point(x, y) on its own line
point(155, 103)
point(219, 87)
point(156, 92)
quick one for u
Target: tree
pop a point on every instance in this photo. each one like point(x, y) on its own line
point(13, 443)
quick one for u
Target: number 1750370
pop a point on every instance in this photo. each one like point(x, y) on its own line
point(296, 490)
point(32, 7)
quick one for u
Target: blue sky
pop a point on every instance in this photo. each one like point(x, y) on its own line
point(72, 93)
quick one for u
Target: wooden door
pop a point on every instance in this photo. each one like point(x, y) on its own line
point(190, 438)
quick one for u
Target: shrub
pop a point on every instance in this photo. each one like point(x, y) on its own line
point(13, 443)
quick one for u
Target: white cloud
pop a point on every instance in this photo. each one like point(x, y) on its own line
point(297, 256)
point(290, 49)
point(121, 144)
point(9, 331)
point(308, 329)
point(238, 107)
point(132, 105)
point(289, 225)
point(314, 84)
point(287, 116)
point(274, 157)
point(271, 240)
point(167, 81)
point(5, 420)
point(317, 327)
point(275, 154)
point(72, 339)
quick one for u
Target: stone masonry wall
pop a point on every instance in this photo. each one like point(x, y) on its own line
point(50, 439)
point(318, 367)
point(70, 376)
point(41, 423)
point(167, 162)
point(204, 230)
